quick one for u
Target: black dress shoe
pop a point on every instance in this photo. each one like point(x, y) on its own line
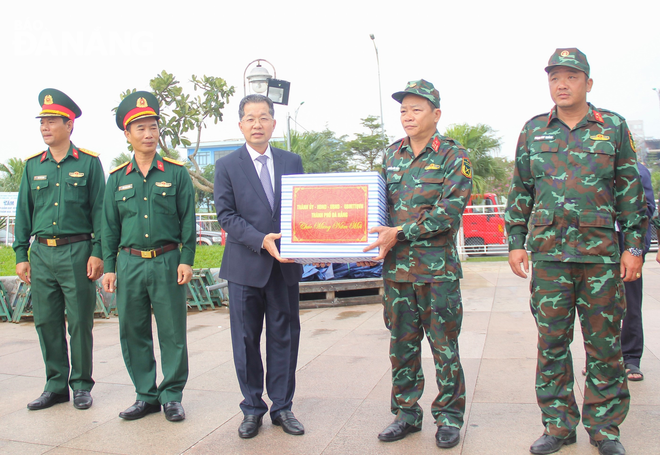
point(174, 411)
point(447, 437)
point(139, 410)
point(249, 426)
point(47, 399)
point(397, 430)
point(82, 399)
point(289, 423)
point(609, 447)
point(550, 444)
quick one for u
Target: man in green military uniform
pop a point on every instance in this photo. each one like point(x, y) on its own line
point(149, 209)
point(429, 181)
point(575, 177)
point(60, 203)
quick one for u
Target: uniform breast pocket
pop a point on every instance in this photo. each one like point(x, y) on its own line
point(164, 200)
point(41, 193)
point(75, 190)
point(428, 190)
point(544, 159)
point(126, 202)
point(600, 160)
point(394, 187)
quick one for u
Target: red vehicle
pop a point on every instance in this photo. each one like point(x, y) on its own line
point(483, 225)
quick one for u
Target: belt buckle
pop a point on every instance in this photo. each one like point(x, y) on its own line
point(51, 242)
point(147, 254)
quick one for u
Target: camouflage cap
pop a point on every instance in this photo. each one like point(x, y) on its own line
point(571, 57)
point(57, 104)
point(135, 106)
point(420, 88)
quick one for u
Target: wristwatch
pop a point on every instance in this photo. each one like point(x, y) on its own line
point(637, 252)
point(400, 236)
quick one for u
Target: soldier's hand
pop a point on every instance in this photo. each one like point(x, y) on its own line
point(94, 268)
point(24, 271)
point(631, 266)
point(516, 258)
point(270, 246)
point(184, 271)
point(109, 282)
point(386, 240)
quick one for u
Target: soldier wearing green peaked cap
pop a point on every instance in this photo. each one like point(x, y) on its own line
point(60, 204)
point(149, 210)
point(429, 181)
point(574, 182)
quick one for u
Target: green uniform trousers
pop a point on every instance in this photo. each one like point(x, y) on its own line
point(597, 293)
point(59, 283)
point(143, 285)
point(410, 310)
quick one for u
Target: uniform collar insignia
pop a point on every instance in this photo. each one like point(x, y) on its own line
point(435, 145)
point(43, 157)
point(75, 153)
point(598, 117)
point(129, 168)
point(160, 165)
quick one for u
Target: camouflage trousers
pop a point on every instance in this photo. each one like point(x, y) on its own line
point(596, 291)
point(410, 310)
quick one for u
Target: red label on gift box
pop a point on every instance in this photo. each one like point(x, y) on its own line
point(329, 214)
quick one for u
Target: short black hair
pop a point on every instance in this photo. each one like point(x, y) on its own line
point(253, 99)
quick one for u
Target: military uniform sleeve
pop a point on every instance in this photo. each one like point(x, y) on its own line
point(96, 193)
point(111, 229)
point(521, 196)
point(448, 209)
point(629, 193)
point(185, 203)
point(24, 210)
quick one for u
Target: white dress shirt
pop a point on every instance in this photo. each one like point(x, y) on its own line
point(257, 165)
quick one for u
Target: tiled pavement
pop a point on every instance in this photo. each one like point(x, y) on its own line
point(343, 385)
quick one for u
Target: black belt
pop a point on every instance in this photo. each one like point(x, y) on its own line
point(65, 240)
point(150, 254)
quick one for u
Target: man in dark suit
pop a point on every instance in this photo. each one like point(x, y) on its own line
point(261, 283)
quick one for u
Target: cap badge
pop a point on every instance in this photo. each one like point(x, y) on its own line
point(48, 99)
point(565, 53)
point(412, 85)
point(141, 102)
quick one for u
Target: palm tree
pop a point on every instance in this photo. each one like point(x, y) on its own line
point(120, 159)
point(13, 172)
point(321, 152)
point(481, 143)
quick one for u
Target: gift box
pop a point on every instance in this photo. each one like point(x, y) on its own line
point(327, 217)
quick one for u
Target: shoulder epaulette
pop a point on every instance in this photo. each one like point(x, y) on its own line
point(545, 114)
point(119, 167)
point(89, 152)
point(170, 160)
point(607, 111)
point(33, 156)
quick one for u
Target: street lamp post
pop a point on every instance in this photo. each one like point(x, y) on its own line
point(258, 77)
point(380, 96)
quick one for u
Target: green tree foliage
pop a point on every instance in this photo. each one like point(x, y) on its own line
point(204, 199)
point(368, 148)
point(11, 174)
point(181, 113)
point(120, 159)
point(488, 171)
point(321, 152)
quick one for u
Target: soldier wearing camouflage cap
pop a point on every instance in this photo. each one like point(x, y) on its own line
point(148, 211)
point(575, 178)
point(59, 203)
point(429, 181)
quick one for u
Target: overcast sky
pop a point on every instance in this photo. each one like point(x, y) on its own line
point(485, 57)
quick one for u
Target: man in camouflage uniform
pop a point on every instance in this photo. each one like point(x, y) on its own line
point(59, 203)
point(575, 176)
point(429, 180)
